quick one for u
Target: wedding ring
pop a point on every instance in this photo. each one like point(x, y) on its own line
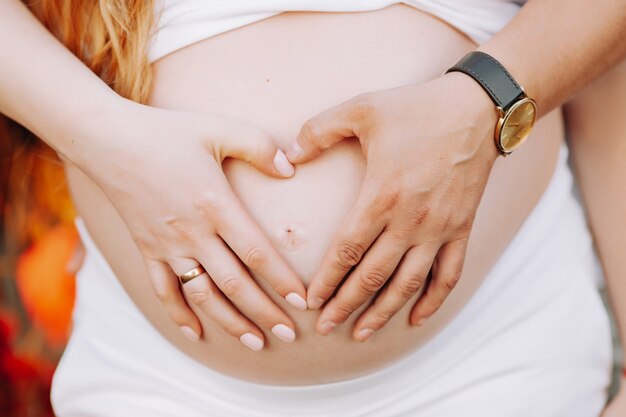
point(191, 274)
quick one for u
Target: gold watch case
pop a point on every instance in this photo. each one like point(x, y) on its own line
point(515, 125)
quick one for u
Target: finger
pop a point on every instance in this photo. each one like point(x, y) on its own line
point(244, 237)
point(237, 285)
point(407, 281)
point(364, 282)
point(252, 145)
point(361, 227)
point(328, 128)
point(165, 286)
point(202, 292)
point(450, 259)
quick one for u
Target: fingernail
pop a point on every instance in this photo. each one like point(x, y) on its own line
point(315, 303)
point(327, 327)
point(190, 333)
point(282, 164)
point(364, 334)
point(421, 321)
point(294, 151)
point(284, 332)
point(296, 301)
point(251, 340)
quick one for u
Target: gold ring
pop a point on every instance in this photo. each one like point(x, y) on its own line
point(191, 274)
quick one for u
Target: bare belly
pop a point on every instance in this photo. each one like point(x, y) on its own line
point(275, 74)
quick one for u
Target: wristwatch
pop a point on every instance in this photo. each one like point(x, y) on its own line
point(517, 111)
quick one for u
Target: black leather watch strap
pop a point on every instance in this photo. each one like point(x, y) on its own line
point(492, 76)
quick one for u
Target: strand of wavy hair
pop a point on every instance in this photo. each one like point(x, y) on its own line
point(110, 36)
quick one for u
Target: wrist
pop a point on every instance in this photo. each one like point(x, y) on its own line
point(88, 127)
point(473, 104)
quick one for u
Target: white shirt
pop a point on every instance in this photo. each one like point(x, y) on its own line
point(183, 22)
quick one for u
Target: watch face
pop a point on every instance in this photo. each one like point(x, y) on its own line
point(517, 124)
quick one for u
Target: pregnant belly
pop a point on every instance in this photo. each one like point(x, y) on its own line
point(275, 74)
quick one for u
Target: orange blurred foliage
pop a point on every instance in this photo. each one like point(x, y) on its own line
point(40, 233)
point(38, 245)
point(45, 284)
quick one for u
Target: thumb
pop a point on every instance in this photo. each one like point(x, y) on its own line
point(256, 147)
point(325, 130)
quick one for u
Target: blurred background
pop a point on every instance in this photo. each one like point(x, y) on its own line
point(39, 255)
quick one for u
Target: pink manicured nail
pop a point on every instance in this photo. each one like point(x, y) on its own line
point(251, 340)
point(284, 333)
point(327, 327)
point(315, 303)
point(294, 151)
point(282, 164)
point(190, 333)
point(296, 301)
point(364, 334)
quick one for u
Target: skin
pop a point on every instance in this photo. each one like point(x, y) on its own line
point(128, 115)
point(410, 217)
point(169, 245)
point(299, 215)
point(597, 139)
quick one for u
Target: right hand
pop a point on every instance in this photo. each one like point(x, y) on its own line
point(162, 171)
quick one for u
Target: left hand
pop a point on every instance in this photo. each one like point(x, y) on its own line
point(429, 150)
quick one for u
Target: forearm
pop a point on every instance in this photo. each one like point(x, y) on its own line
point(555, 47)
point(598, 142)
point(44, 87)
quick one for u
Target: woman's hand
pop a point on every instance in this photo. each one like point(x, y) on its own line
point(162, 171)
point(617, 406)
point(429, 151)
